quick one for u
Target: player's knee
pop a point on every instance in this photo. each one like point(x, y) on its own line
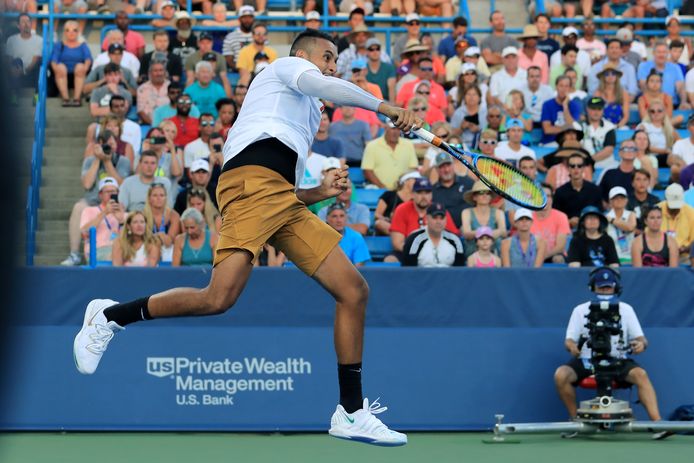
point(217, 304)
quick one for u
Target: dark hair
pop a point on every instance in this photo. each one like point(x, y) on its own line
point(654, 72)
point(648, 209)
point(676, 44)
point(543, 15)
point(613, 39)
point(570, 69)
point(526, 158)
point(23, 14)
point(207, 115)
point(534, 68)
point(459, 21)
point(160, 32)
point(642, 171)
point(149, 153)
point(493, 13)
point(225, 101)
point(305, 39)
point(175, 86)
point(105, 136)
point(257, 25)
point(111, 68)
point(425, 58)
point(567, 48)
point(560, 78)
point(215, 135)
point(548, 186)
point(151, 130)
point(115, 98)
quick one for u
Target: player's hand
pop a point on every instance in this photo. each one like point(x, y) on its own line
point(404, 119)
point(334, 182)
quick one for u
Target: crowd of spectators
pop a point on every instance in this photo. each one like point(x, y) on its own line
point(559, 107)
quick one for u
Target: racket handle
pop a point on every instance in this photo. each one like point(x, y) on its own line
point(428, 137)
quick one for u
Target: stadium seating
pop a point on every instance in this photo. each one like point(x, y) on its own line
point(379, 246)
point(357, 176)
point(369, 196)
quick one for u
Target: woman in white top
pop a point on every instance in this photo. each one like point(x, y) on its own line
point(658, 126)
point(136, 246)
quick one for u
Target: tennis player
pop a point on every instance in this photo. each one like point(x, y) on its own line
point(264, 158)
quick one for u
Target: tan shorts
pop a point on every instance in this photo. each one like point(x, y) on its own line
point(259, 206)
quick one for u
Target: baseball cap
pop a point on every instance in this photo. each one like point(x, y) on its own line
point(567, 31)
point(166, 3)
point(604, 278)
point(436, 209)
point(209, 56)
point(312, 16)
point(337, 205)
point(467, 67)
point(373, 41)
point(625, 35)
point(515, 124)
point(246, 10)
point(422, 184)
point(359, 63)
point(443, 158)
point(509, 51)
point(472, 51)
point(409, 175)
point(617, 191)
point(200, 164)
point(356, 10)
point(412, 17)
point(107, 181)
point(205, 36)
point(483, 231)
point(674, 195)
point(523, 213)
point(596, 103)
point(114, 47)
point(331, 163)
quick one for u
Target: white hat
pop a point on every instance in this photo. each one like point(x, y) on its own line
point(674, 195)
point(409, 175)
point(166, 3)
point(200, 164)
point(509, 51)
point(523, 212)
point(259, 66)
point(331, 163)
point(567, 31)
point(312, 16)
point(107, 181)
point(472, 51)
point(466, 67)
point(246, 10)
point(670, 18)
point(412, 17)
point(616, 191)
point(625, 35)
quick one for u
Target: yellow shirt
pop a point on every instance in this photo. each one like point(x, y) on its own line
point(247, 53)
point(388, 164)
point(682, 225)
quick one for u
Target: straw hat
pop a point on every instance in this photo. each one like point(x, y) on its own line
point(181, 15)
point(361, 28)
point(412, 46)
point(478, 186)
point(529, 32)
point(571, 147)
point(610, 67)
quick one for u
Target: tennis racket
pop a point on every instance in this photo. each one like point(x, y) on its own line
point(502, 178)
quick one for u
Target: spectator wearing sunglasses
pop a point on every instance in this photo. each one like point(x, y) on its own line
point(616, 97)
point(661, 134)
point(614, 58)
point(170, 110)
point(425, 72)
point(578, 192)
point(495, 121)
point(413, 24)
point(654, 92)
point(187, 125)
point(199, 148)
point(379, 72)
point(623, 174)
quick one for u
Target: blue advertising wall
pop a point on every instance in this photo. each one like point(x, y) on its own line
point(444, 349)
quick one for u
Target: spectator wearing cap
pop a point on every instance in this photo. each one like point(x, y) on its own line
point(391, 199)
point(473, 55)
point(484, 256)
point(493, 45)
point(654, 93)
point(167, 11)
point(324, 143)
point(433, 245)
point(412, 215)
point(560, 169)
point(454, 65)
point(678, 219)
point(134, 41)
point(590, 245)
point(523, 249)
point(353, 134)
point(379, 72)
point(590, 43)
point(481, 214)
point(313, 172)
point(239, 37)
point(552, 226)
point(101, 97)
point(187, 125)
point(413, 24)
point(355, 18)
point(358, 216)
point(352, 242)
point(570, 37)
point(219, 19)
point(599, 137)
point(674, 34)
point(673, 79)
point(451, 188)
point(96, 77)
point(167, 111)
point(447, 45)
point(358, 37)
point(24, 51)
point(577, 193)
point(506, 79)
point(530, 55)
point(206, 53)
point(128, 61)
point(512, 150)
point(621, 223)
point(559, 113)
point(629, 47)
point(152, 93)
point(246, 58)
point(623, 174)
point(615, 96)
point(182, 41)
point(107, 217)
point(388, 157)
point(614, 58)
point(470, 76)
point(318, 172)
point(199, 179)
point(161, 53)
point(425, 72)
point(535, 93)
point(653, 247)
point(545, 42)
point(70, 58)
point(205, 92)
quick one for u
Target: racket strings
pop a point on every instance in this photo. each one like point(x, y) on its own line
point(511, 181)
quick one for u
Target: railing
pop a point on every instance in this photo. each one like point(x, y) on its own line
point(33, 194)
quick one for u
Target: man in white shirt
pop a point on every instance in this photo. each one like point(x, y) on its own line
point(506, 79)
point(200, 147)
point(24, 50)
point(433, 245)
point(266, 149)
point(512, 150)
point(535, 94)
point(683, 149)
point(129, 61)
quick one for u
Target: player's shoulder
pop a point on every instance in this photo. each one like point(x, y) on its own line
point(293, 62)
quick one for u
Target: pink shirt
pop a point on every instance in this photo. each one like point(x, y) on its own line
point(540, 60)
point(437, 96)
point(359, 114)
point(548, 228)
point(106, 231)
point(150, 98)
point(133, 42)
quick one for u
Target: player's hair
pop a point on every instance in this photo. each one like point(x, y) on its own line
point(306, 39)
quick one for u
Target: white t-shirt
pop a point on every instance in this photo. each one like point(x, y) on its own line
point(631, 329)
point(129, 61)
point(196, 149)
point(313, 171)
point(132, 133)
point(275, 107)
point(639, 48)
point(24, 49)
point(596, 46)
point(622, 240)
point(689, 81)
point(684, 148)
point(442, 255)
point(502, 83)
point(505, 152)
point(535, 100)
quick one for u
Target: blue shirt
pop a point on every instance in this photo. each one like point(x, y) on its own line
point(447, 45)
point(554, 112)
point(331, 147)
point(356, 213)
point(205, 98)
point(671, 75)
point(628, 79)
point(70, 57)
point(354, 246)
point(352, 136)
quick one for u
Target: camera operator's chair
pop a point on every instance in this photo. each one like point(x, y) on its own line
point(590, 383)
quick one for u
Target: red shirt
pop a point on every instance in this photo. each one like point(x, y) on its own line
point(406, 219)
point(188, 131)
point(437, 96)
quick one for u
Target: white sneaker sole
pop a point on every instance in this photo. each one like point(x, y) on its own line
point(92, 308)
point(342, 434)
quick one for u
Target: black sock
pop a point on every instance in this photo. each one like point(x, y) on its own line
point(129, 312)
point(349, 377)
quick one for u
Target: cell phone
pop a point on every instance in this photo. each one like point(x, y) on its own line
point(474, 119)
point(157, 140)
point(114, 197)
point(217, 147)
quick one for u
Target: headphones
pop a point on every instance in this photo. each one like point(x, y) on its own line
point(596, 273)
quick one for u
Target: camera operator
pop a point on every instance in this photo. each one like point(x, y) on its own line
point(605, 283)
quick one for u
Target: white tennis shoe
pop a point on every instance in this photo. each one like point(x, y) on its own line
point(363, 426)
point(92, 340)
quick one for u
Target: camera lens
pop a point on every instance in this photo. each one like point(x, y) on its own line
point(106, 148)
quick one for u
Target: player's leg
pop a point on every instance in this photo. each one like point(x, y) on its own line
point(564, 379)
point(638, 377)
